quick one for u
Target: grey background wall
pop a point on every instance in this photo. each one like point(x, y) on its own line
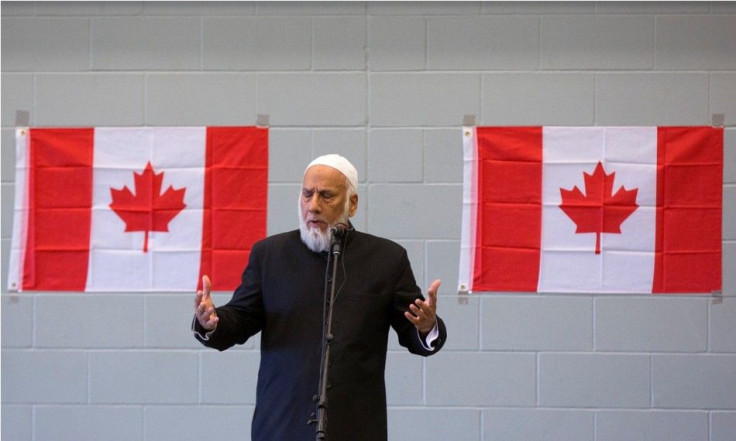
point(387, 85)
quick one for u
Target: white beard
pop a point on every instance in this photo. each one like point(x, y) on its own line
point(314, 238)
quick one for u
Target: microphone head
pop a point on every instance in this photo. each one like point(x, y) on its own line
point(339, 231)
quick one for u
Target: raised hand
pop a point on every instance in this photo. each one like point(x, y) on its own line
point(423, 313)
point(204, 309)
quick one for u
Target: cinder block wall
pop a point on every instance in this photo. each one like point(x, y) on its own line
point(388, 86)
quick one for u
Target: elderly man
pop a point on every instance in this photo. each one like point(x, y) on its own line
point(282, 296)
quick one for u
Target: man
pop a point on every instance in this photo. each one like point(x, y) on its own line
point(282, 295)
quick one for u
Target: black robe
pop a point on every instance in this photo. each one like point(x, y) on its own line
point(282, 293)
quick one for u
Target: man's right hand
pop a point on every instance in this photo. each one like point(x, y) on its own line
point(204, 309)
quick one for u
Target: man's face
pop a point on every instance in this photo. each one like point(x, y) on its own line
point(324, 198)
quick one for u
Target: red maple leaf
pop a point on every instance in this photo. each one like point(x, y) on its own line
point(599, 210)
point(147, 210)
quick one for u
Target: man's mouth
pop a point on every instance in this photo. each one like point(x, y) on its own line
point(316, 224)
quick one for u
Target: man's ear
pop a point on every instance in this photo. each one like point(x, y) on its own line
point(353, 205)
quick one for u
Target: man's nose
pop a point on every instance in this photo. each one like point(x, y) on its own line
point(314, 204)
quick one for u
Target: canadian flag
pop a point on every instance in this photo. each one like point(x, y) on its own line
point(136, 208)
point(592, 209)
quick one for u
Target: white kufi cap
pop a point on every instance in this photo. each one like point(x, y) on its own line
point(340, 164)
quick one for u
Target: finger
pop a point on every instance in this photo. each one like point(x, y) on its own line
point(432, 291)
point(417, 311)
point(206, 285)
point(413, 319)
point(212, 322)
point(425, 306)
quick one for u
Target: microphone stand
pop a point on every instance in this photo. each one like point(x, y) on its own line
point(321, 431)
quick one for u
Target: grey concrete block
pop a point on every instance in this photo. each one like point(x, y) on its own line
point(7, 161)
point(694, 381)
point(395, 156)
point(443, 156)
point(325, 99)
point(7, 192)
point(92, 8)
point(289, 153)
point(89, 100)
point(18, 9)
point(433, 424)
point(538, 425)
point(652, 99)
point(177, 423)
point(310, 8)
point(423, 99)
point(17, 420)
point(537, 323)
point(404, 379)
point(481, 379)
point(723, 426)
point(423, 8)
point(74, 423)
point(696, 42)
point(664, 7)
point(229, 377)
point(145, 43)
point(120, 316)
point(17, 96)
point(483, 43)
point(538, 7)
point(651, 324)
point(722, 7)
point(339, 43)
point(652, 425)
point(4, 260)
point(193, 99)
point(199, 8)
point(462, 319)
point(283, 207)
point(167, 321)
point(722, 95)
point(397, 43)
point(247, 43)
point(415, 251)
point(45, 44)
point(594, 380)
point(34, 377)
point(596, 42)
point(17, 320)
point(409, 211)
point(729, 277)
point(729, 156)
point(538, 99)
point(443, 264)
point(729, 212)
point(143, 377)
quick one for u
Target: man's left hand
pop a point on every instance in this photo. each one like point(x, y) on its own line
point(423, 313)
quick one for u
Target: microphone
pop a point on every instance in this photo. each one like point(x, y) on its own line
point(339, 231)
